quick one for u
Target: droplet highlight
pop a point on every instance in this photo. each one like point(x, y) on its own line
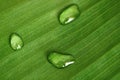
point(60, 60)
point(69, 14)
point(16, 41)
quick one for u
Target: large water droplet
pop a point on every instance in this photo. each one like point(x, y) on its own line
point(69, 14)
point(16, 41)
point(60, 60)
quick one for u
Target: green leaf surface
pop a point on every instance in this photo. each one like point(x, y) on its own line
point(93, 39)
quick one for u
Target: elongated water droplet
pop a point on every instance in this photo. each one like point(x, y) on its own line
point(69, 14)
point(60, 60)
point(16, 41)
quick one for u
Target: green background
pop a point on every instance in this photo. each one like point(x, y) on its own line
point(93, 38)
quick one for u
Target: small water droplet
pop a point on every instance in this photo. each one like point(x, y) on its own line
point(16, 41)
point(69, 14)
point(60, 60)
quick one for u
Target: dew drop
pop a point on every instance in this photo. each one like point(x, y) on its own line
point(60, 60)
point(16, 41)
point(69, 14)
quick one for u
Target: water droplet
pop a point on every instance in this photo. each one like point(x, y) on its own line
point(16, 41)
point(69, 14)
point(60, 60)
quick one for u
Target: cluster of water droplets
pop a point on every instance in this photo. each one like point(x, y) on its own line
point(59, 60)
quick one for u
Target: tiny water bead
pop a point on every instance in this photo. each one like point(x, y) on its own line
point(60, 60)
point(16, 41)
point(69, 14)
